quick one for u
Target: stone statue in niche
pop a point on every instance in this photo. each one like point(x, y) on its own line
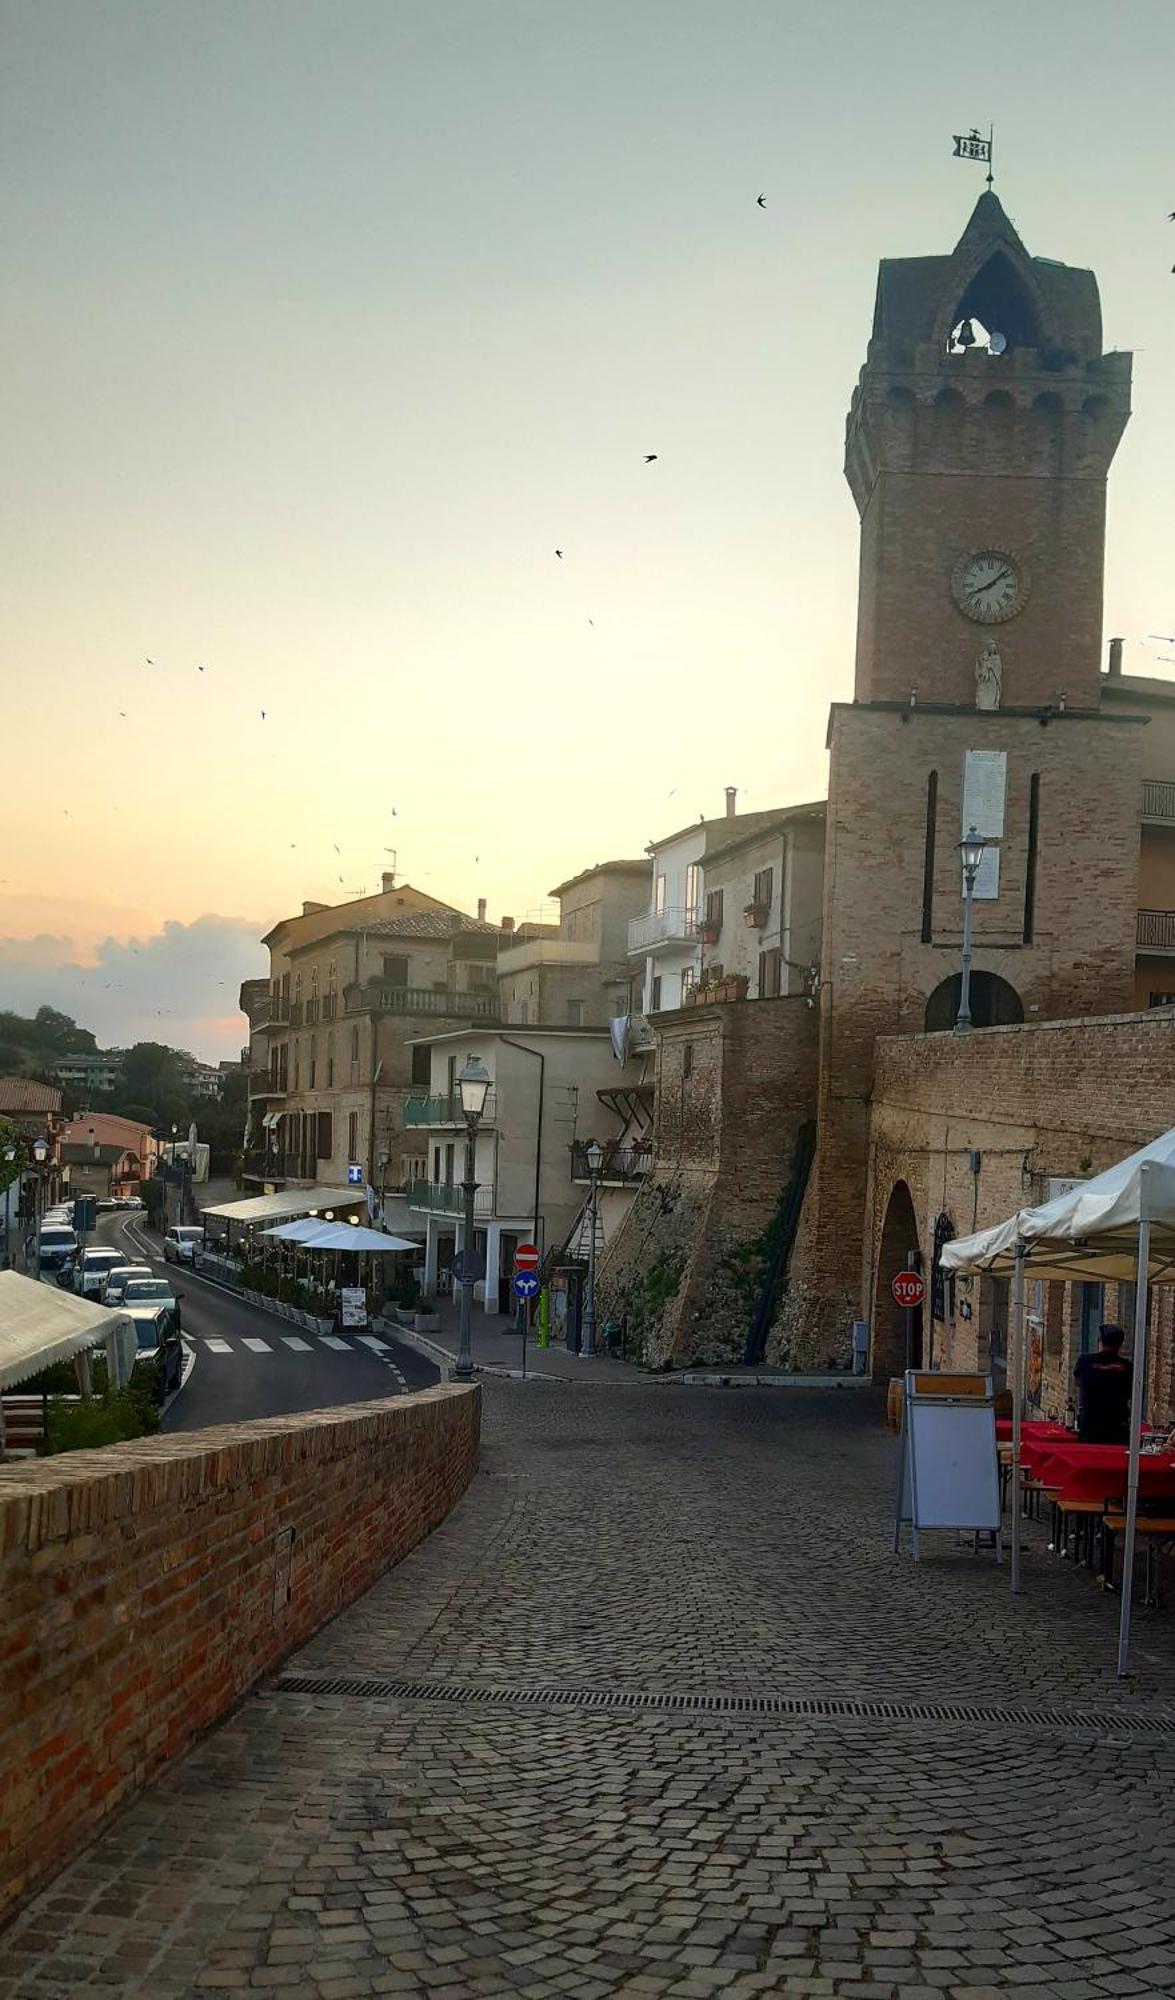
point(989, 675)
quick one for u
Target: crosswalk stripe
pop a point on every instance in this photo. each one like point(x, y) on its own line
point(218, 1346)
point(292, 1340)
point(332, 1340)
point(369, 1340)
point(257, 1346)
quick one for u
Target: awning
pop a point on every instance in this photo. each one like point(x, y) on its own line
point(40, 1325)
point(314, 1234)
point(271, 1119)
point(291, 1201)
point(1089, 1233)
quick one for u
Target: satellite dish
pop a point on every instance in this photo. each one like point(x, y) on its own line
point(997, 343)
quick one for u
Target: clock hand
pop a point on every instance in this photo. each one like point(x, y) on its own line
point(985, 587)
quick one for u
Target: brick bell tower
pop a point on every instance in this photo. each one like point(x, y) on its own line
point(978, 443)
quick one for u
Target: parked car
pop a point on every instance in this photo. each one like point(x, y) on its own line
point(130, 1201)
point(58, 1247)
point(160, 1346)
point(181, 1243)
point(115, 1281)
point(92, 1267)
point(148, 1290)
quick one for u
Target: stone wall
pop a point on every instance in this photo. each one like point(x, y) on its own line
point(975, 1125)
point(147, 1586)
point(735, 1082)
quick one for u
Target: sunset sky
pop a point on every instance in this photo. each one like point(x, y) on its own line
point(327, 321)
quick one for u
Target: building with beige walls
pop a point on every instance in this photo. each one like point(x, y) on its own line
point(579, 977)
point(350, 986)
point(552, 1090)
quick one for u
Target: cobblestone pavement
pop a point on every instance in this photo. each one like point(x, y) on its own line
point(651, 1540)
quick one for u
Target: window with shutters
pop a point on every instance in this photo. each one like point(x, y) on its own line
point(655, 999)
point(693, 892)
point(297, 1065)
point(395, 969)
point(422, 1065)
point(330, 1062)
point(764, 886)
point(313, 1061)
point(770, 974)
point(714, 909)
point(326, 1143)
point(659, 895)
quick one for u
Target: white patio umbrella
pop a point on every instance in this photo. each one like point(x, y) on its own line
point(1120, 1225)
point(314, 1234)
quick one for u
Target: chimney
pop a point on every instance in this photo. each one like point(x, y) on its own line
point(1116, 646)
point(388, 881)
point(481, 909)
point(731, 796)
point(309, 909)
point(506, 925)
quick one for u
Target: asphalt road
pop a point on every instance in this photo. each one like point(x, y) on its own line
point(252, 1364)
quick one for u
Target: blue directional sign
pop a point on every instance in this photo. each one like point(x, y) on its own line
point(525, 1284)
point(354, 1174)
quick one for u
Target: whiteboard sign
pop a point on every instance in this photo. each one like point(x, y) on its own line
point(949, 1467)
point(985, 777)
point(353, 1306)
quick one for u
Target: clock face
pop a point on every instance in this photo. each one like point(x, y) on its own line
point(989, 586)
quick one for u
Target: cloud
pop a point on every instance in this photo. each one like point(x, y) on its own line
point(178, 985)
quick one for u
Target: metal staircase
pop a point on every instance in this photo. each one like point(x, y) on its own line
point(580, 1239)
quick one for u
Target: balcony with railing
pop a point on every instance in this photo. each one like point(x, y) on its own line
point(448, 1198)
point(625, 1162)
point(445, 1109)
point(296, 1011)
point(377, 997)
point(661, 929)
point(1156, 931)
point(1158, 800)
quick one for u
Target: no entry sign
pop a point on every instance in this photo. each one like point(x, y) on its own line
point(526, 1257)
point(908, 1289)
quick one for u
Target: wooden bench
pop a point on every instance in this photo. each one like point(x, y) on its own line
point(1155, 1531)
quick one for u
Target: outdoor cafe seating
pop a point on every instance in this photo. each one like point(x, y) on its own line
point(1084, 1487)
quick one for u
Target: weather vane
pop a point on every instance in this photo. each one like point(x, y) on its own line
point(973, 146)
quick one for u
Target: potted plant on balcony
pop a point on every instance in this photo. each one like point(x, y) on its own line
point(756, 915)
point(710, 933)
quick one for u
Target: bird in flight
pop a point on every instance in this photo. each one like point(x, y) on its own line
point(649, 457)
point(122, 712)
point(337, 848)
point(559, 553)
point(200, 670)
point(1164, 638)
point(263, 715)
point(760, 201)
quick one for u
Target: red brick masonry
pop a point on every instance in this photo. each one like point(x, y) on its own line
point(147, 1586)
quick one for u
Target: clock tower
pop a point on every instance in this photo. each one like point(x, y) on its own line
point(978, 443)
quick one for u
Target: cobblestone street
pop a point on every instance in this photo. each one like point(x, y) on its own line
point(496, 1833)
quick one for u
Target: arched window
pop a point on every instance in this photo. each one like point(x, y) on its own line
point(994, 1003)
point(313, 1061)
point(996, 311)
point(330, 1062)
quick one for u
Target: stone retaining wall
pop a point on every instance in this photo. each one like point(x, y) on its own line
point(147, 1586)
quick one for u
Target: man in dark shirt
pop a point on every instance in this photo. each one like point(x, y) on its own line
point(1103, 1385)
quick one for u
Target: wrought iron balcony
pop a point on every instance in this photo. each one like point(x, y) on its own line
point(1158, 798)
point(662, 928)
point(376, 997)
point(448, 1198)
point(445, 1109)
point(1156, 931)
point(624, 1164)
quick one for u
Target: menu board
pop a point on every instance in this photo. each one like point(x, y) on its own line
point(353, 1306)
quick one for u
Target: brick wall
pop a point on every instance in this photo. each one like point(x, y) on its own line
point(1058, 1098)
point(147, 1586)
point(735, 1082)
point(878, 970)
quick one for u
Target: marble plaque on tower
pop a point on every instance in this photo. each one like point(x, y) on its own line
point(985, 777)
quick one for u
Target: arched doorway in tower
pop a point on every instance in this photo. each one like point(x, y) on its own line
point(994, 1003)
point(892, 1349)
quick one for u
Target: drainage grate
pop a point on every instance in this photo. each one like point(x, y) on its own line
point(828, 1708)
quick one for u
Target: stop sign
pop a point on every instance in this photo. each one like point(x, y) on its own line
point(526, 1257)
point(908, 1289)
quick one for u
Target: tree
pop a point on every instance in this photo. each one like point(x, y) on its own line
point(151, 1077)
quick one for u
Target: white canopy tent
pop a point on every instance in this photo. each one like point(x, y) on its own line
point(290, 1201)
point(1118, 1226)
point(315, 1234)
point(40, 1325)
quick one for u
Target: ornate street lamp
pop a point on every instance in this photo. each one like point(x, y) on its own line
point(594, 1154)
point(971, 852)
point(473, 1085)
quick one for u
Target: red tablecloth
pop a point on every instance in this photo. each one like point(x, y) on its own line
point(1098, 1472)
point(1035, 1427)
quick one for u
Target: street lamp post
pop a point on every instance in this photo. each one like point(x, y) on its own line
point(595, 1160)
point(971, 851)
point(473, 1083)
point(40, 1156)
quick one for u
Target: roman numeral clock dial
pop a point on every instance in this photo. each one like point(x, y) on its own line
point(989, 586)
